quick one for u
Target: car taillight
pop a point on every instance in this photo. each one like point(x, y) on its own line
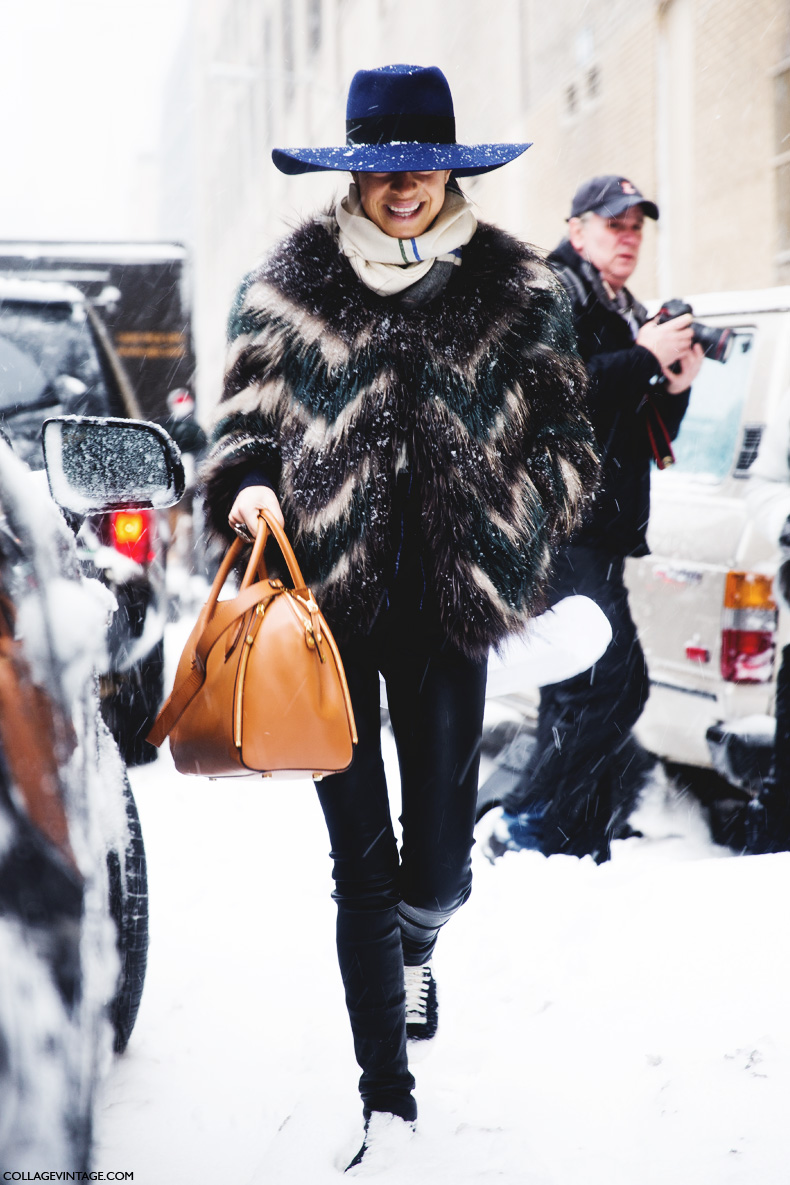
point(132, 534)
point(748, 635)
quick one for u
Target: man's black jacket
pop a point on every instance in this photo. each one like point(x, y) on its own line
point(625, 400)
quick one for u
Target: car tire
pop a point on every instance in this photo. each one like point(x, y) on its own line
point(128, 885)
point(132, 708)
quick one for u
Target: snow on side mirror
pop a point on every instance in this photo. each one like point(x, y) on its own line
point(96, 464)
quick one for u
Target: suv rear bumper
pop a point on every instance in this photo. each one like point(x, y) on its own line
point(674, 724)
point(742, 752)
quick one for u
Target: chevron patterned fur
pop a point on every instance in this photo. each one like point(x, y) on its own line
point(331, 389)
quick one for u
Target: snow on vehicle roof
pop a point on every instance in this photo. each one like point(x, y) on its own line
point(756, 300)
point(106, 252)
point(43, 291)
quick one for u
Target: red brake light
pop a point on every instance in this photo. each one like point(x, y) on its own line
point(132, 534)
point(748, 635)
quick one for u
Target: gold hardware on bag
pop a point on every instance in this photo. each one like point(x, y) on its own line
point(318, 777)
point(315, 617)
point(308, 603)
point(312, 628)
point(312, 640)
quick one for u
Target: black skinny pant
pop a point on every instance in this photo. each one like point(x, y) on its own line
point(574, 781)
point(390, 911)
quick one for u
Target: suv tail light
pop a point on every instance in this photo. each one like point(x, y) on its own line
point(748, 635)
point(131, 534)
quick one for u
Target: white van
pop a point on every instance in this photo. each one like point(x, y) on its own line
point(703, 600)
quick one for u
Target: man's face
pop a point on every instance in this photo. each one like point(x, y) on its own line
point(403, 205)
point(610, 244)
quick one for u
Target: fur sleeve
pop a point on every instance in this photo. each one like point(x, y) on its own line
point(244, 433)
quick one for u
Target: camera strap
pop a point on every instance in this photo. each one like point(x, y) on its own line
point(662, 448)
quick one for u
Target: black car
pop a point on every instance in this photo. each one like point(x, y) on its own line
point(56, 357)
point(73, 890)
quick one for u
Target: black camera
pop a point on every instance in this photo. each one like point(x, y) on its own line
point(716, 343)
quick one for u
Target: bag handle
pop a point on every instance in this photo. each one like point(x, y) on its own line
point(216, 615)
point(267, 523)
point(255, 564)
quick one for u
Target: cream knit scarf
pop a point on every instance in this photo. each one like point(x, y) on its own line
point(389, 265)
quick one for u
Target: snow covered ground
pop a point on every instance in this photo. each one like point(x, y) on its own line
point(627, 1024)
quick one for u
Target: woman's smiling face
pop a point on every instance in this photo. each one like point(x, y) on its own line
point(403, 205)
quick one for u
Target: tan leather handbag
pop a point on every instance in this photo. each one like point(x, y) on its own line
point(260, 687)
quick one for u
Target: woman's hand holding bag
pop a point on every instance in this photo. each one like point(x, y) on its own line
point(260, 687)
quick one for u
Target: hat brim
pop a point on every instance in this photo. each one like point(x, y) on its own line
point(465, 160)
point(614, 207)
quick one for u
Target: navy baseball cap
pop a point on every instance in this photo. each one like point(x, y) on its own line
point(610, 196)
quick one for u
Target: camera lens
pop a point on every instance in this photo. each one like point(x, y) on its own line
point(716, 343)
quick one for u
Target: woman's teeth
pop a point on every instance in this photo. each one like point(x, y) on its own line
point(404, 211)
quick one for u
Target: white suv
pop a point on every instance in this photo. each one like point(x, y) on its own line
point(703, 599)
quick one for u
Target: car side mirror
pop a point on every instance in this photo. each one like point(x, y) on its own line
point(97, 464)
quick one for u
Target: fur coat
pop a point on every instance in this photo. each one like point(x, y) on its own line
point(330, 390)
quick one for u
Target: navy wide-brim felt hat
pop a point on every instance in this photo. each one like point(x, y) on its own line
point(399, 119)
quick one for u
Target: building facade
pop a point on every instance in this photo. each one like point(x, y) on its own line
point(688, 98)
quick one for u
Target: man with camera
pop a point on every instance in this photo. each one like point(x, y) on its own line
point(571, 797)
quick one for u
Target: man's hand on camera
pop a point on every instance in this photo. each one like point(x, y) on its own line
point(668, 340)
point(689, 362)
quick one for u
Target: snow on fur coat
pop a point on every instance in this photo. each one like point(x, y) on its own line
point(330, 390)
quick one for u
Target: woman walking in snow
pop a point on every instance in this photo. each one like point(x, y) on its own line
point(403, 391)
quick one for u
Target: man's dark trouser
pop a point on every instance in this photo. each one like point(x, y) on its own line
point(390, 912)
point(574, 778)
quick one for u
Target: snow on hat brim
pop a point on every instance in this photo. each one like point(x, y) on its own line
point(465, 160)
point(399, 119)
